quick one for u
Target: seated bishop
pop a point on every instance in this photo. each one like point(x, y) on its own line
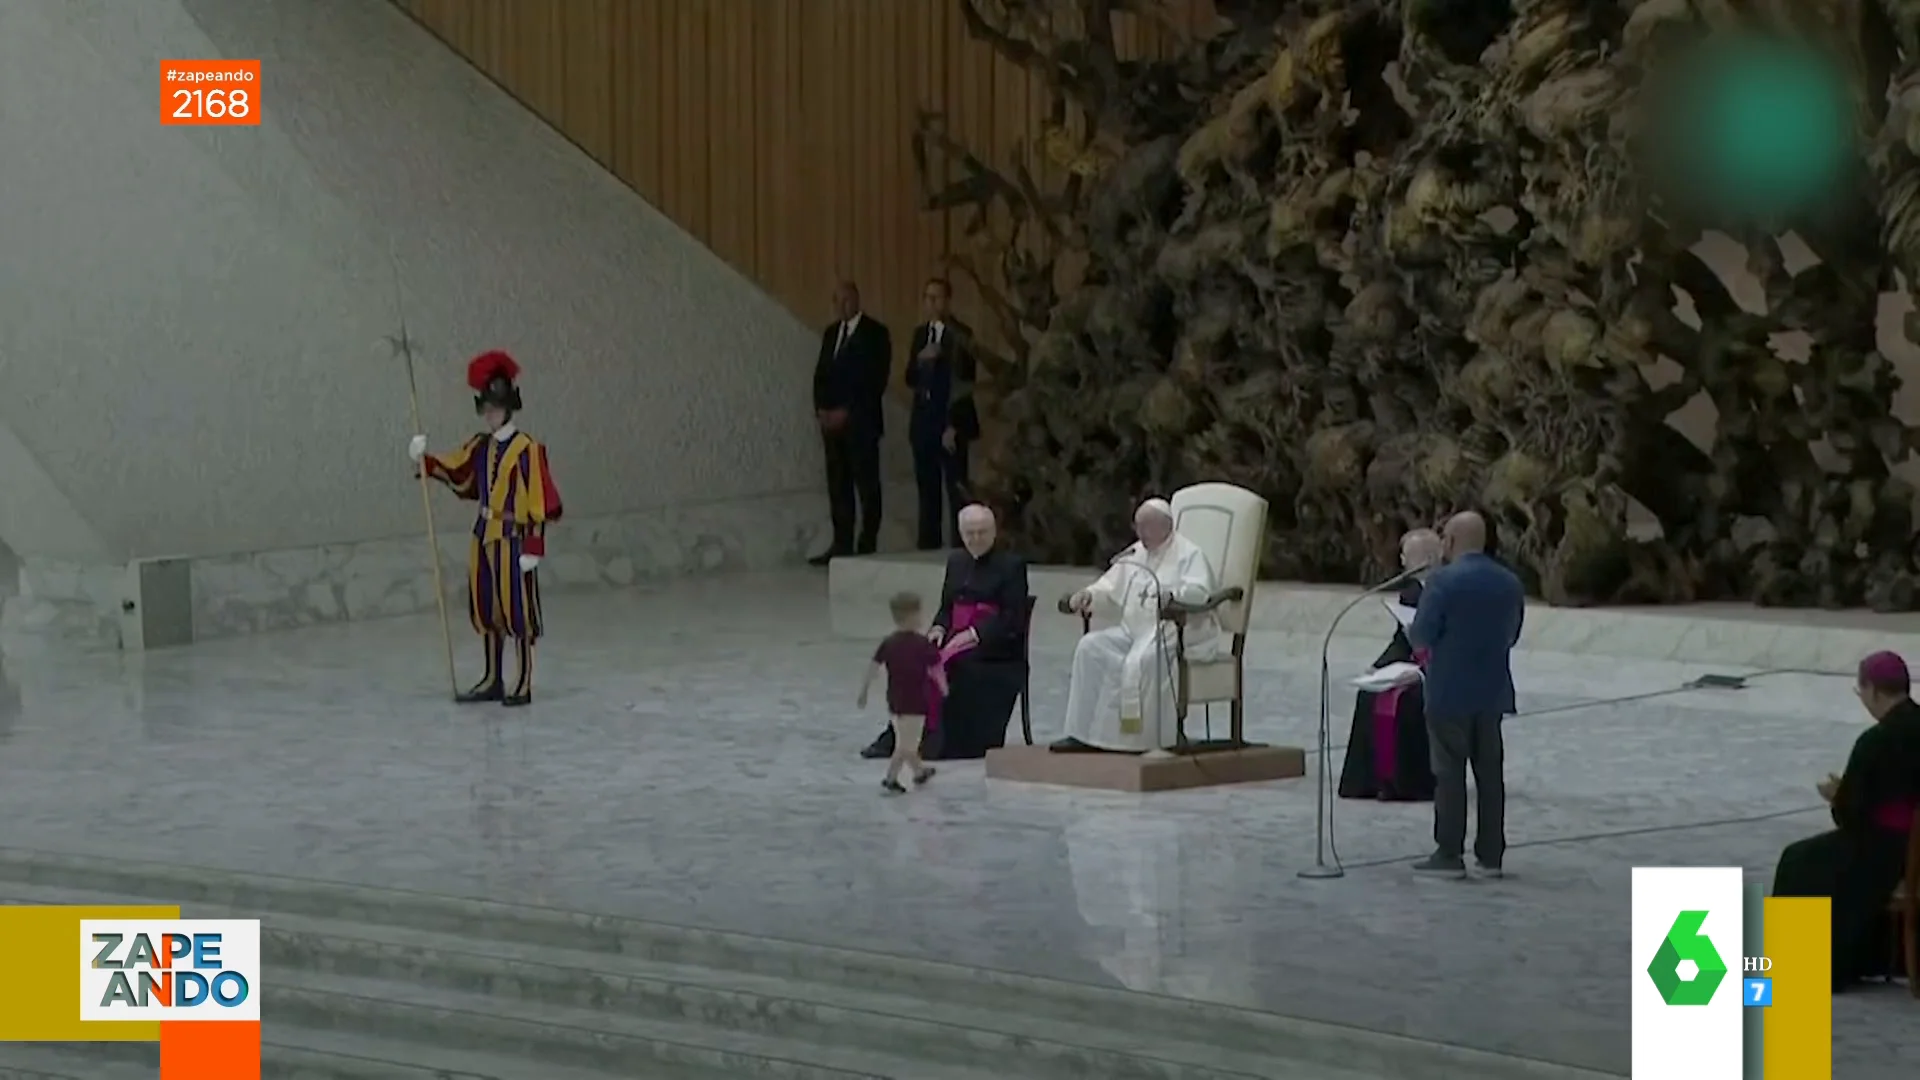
point(981, 628)
point(1121, 696)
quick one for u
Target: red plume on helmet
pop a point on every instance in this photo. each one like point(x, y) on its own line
point(491, 376)
point(488, 366)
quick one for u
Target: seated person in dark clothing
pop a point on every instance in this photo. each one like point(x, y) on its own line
point(981, 629)
point(1859, 863)
point(1387, 751)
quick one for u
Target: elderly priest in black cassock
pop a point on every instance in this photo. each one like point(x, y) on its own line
point(1388, 754)
point(981, 629)
point(1875, 805)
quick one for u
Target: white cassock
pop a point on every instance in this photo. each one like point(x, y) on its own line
point(1121, 696)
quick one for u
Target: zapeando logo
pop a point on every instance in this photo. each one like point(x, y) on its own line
point(1685, 944)
point(169, 969)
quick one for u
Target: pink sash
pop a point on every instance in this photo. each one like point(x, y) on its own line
point(1386, 727)
point(966, 613)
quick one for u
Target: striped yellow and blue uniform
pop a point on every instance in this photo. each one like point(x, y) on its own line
point(513, 484)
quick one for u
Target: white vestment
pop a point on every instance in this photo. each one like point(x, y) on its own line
point(1121, 696)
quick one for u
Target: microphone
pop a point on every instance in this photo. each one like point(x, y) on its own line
point(1125, 556)
point(1394, 582)
point(1322, 807)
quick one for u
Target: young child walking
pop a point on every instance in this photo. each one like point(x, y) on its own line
point(913, 670)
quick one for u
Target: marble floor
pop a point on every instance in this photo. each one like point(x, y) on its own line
point(691, 759)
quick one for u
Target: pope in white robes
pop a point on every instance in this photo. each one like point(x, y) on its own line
point(1121, 696)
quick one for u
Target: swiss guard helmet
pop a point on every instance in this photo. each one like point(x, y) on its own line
point(491, 376)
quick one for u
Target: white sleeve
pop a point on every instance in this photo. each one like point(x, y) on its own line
point(1108, 587)
point(1194, 584)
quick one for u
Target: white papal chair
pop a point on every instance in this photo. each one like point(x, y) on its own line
point(1229, 526)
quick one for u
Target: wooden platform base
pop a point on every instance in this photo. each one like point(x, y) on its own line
point(1137, 772)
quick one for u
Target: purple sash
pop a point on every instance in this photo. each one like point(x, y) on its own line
point(1896, 816)
point(1386, 727)
point(966, 614)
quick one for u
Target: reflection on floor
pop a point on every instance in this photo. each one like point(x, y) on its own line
point(690, 758)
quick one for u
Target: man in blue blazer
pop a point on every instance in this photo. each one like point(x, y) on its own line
point(1468, 622)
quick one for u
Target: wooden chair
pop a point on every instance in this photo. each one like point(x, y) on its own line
point(1904, 909)
point(1229, 525)
point(1026, 674)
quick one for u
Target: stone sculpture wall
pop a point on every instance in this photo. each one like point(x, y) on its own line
point(1380, 261)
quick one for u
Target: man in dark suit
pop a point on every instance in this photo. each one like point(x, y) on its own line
point(849, 385)
point(1469, 620)
point(943, 423)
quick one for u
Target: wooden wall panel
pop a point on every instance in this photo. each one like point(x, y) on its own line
point(778, 132)
point(586, 50)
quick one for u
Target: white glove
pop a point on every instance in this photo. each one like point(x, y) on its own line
point(529, 563)
point(417, 448)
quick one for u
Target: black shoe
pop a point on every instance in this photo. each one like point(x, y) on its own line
point(1071, 745)
point(514, 701)
point(1439, 865)
point(1488, 869)
point(866, 547)
point(478, 694)
point(821, 559)
point(923, 776)
point(892, 787)
point(881, 747)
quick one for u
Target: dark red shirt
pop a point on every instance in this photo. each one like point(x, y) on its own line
point(908, 658)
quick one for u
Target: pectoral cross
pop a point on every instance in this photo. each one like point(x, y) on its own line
point(1146, 594)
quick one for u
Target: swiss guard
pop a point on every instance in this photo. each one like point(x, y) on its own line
point(506, 472)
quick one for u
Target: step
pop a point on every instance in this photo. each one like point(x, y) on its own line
point(1034, 1047)
point(577, 1038)
point(324, 1027)
point(1286, 1043)
point(79, 1061)
point(294, 1053)
point(290, 1053)
point(1037, 1049)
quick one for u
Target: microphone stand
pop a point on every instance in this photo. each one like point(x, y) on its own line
point(1321, 870)
point(1161, 664)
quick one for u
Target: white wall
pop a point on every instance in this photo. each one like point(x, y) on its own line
point(188, 317)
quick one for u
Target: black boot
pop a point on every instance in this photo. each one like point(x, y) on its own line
point(489, 687)
point(483, 691)
point(1071, 745)
point(522, 692)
